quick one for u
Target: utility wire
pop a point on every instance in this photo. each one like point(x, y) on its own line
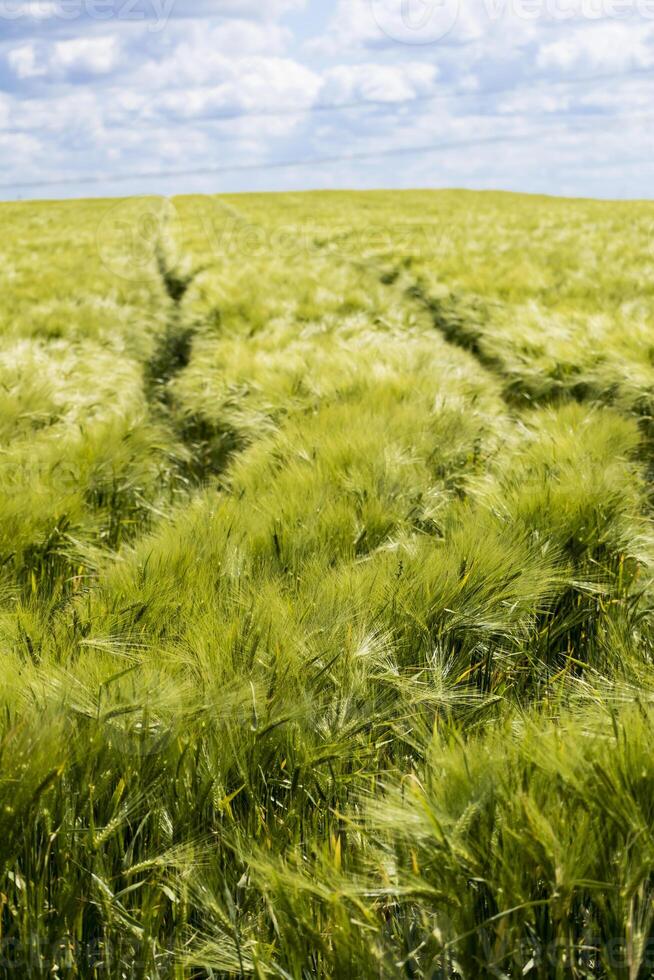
point(289, 164)
point(333, 107)
point(275, 165)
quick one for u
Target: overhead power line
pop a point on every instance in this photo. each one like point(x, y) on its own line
point(207, 171)
point(87, 180)
point(274, 165)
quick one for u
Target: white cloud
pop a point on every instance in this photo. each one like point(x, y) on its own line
point(405, 26)
point(231, 81)
point(92, 56)
point(209, 54)
point(384, 83)
point(600, 47)
point(95, 56)
point(4, 110)
point(22, 61)
point(241, 37)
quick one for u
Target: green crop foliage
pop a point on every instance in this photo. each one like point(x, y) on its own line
point(327, 588)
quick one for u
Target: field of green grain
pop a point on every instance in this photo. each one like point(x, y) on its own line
point(327, 587)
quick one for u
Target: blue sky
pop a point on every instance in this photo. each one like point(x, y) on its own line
point(552, 96)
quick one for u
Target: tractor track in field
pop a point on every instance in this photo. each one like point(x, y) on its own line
point(457, 329)
point(450, 317)
point(452, 320)
point(459, 319)
point(210, 447)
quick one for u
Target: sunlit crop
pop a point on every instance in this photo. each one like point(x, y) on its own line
point(326, 588)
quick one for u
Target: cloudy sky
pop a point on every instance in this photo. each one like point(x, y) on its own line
point(108, 97)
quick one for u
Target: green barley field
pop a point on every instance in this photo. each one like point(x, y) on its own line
point(327, 587)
